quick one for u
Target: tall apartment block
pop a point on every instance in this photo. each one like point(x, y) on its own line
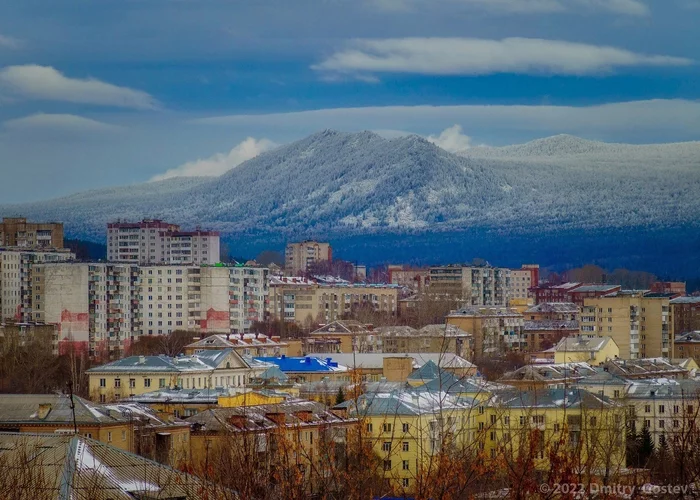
point(639, 322)
point(154, 241)
point(522, 280)
point(474, 285)
point(17, 232)
point(103, 307)
point(18, 289)
point(298, 257)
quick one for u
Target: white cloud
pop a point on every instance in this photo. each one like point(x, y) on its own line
point(474, 56)
point(635, 121)
point(452, 139)
point(46, 83)
point(220, 162)
point(64, 122)
point(626, 7)
point(9, 42)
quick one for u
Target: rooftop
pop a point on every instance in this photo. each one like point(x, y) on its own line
point(550, 324)
point(303, 364)
point(202, 361)
point(55, 408)
point(375, 360)
point(686, 300)
point(569, 398)
point(68, 466)
point(582, 344)
point(553, 307)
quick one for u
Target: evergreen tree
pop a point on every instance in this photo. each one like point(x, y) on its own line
point(632, 450)
point(646, 447)
point(340, 397)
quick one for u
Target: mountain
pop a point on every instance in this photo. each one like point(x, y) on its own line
point(360, 185)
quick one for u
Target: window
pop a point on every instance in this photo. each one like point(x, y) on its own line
point(676, 423)
point(493, 419)
point(387, 465)
point(647, 408)
point(103, 382)
point(132, 383)
point(405, 427)
point(493, 435)
point(161, 383)
point(404, 447)
point(386, 427)
point(616, 393)
point(593, 421)
point(404, 465)
point(676, 409)
point(690, 409)
point(523, 419)
point(117, 382)
point(369, 427)
point(647, 424)
point(662, 409)
point(109, 437)
point(506, 420)
point(147, 382)
point(405, 482)
point(556, 427)
point(123, 435)
point(103, 398)
point(386, 446)
point(662, 424)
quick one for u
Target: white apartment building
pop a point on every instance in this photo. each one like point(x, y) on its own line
point(153, 241)
point(106, 306)
point(16, 275)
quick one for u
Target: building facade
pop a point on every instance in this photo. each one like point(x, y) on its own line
point(494, 329)
point(686, 314)
point(17, 232)
point(298, 257)
point(153, 241)
point(475, 285)
point(639, 322)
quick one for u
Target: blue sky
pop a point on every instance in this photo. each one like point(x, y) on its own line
point(94, 94)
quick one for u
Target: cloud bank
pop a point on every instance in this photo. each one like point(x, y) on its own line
point(61, 122)
point(476, 56)
point(46, 83)
point(624, 7)
point(220, 162)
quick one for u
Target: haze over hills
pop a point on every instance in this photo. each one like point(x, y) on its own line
point(360, 185)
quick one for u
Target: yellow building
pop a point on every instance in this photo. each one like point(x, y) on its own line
point(586, 431)
point(299, 257)
point(639, 322)
point(594, 351)
point(408, 429)
point(250, 398)
point(141, 374)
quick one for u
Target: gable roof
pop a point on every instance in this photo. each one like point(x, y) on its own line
point(24, 408)
point(202, 361)
point(429, 371)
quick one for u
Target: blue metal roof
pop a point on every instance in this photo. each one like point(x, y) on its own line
point(303, 364)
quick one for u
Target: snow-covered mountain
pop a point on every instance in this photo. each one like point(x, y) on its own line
point(352, 183)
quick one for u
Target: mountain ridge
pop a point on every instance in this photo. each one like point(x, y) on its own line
point(338, 183)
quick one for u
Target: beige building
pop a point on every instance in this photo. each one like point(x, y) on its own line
point(306, 302)
point(17, 232)
point(475, 285)
point(153, 241)
point(430, 338)
point(17, 281)
point(494, 329)
point(521, 281)
point(639, 322)
point(246, 344)
point(299, 256)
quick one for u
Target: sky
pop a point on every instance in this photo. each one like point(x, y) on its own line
point(96, 94)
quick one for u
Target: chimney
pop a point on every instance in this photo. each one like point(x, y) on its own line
point(44, 410)
point(237, 421)
point(142, 360)
point(277, 418)
point(275, 338)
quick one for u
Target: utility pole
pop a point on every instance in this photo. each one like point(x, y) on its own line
point(72, 405)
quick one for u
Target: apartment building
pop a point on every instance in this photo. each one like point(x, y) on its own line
point(17, 289)
point(153, 241)
point(429, 339)
point(521, 282)
point(17, 232)
point(575, 293)
point(494, 329)
point(686, 314)
point(415, 279)
point(103, 307)
point(475, 285)
point(246, 344)
point(306, 301)
point(639, 322)
point(298, 257)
